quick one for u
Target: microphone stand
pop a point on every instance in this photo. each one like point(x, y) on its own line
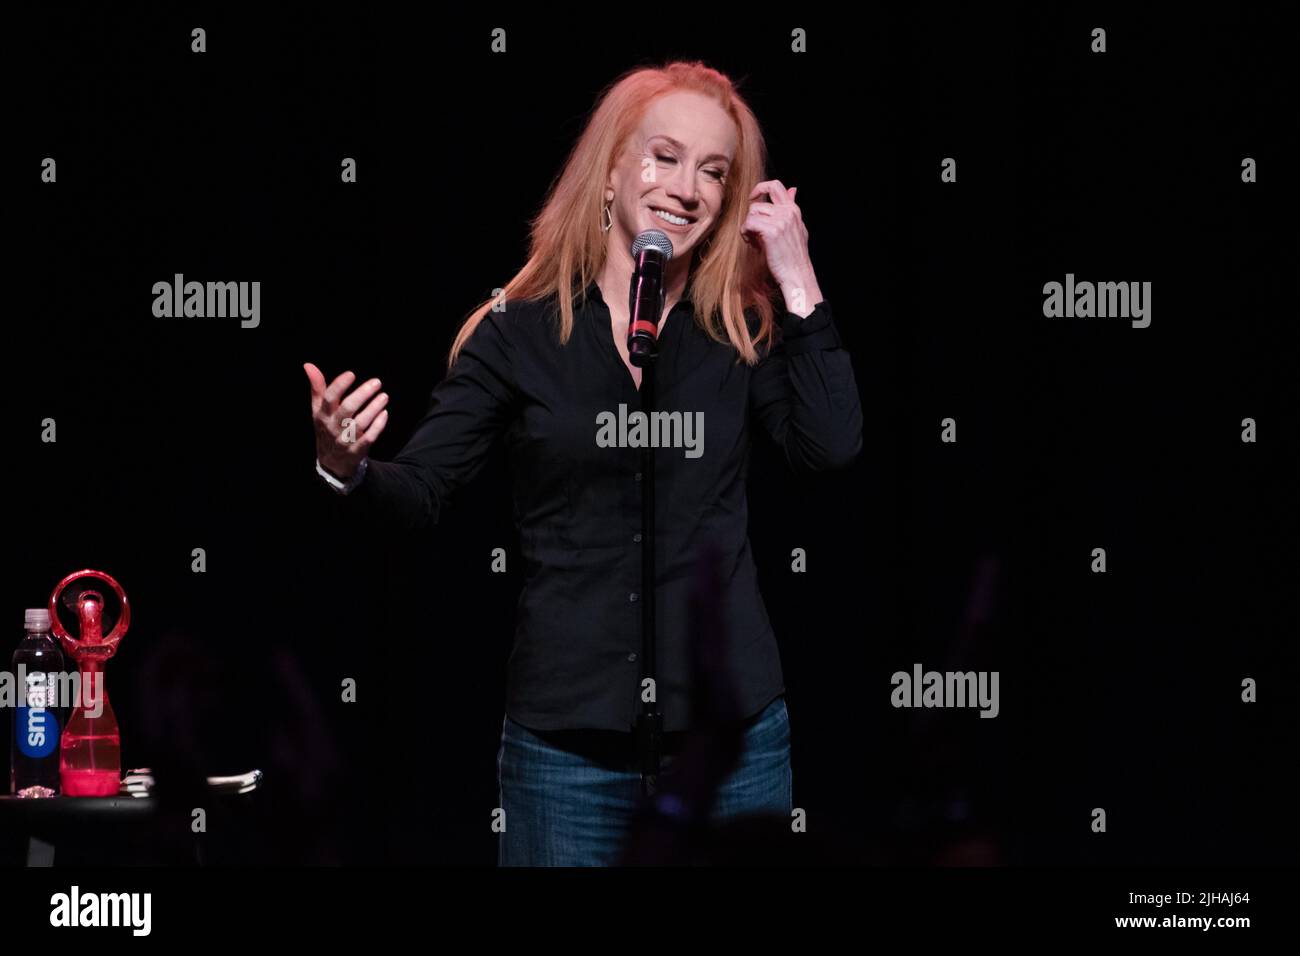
point(650, 721)
point(643, 353)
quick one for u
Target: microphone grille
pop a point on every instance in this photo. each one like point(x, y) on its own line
point(655, 239)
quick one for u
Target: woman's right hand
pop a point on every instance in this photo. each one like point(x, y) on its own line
point(344, 429)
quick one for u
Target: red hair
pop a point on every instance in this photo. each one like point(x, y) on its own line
point(567, 246)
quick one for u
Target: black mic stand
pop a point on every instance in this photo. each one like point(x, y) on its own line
point(643, 351)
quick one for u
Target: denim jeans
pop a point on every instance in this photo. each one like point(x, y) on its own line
point(569, 796)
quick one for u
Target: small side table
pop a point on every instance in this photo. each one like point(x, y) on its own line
point(48, 820)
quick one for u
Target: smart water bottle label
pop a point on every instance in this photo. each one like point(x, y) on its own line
point(37, 726)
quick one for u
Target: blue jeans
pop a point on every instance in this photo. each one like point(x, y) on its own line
point(569, 796)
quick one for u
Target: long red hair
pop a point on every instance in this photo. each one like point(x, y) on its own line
point(567, 244)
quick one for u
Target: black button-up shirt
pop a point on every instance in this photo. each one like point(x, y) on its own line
point(577, 505)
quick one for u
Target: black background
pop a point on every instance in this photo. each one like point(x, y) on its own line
point(1119, 690)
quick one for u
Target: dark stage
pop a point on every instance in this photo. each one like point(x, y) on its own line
point(1002, 444)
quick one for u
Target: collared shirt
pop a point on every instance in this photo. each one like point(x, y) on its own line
point(567, 416)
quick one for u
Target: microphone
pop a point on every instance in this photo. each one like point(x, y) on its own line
point(651, 251)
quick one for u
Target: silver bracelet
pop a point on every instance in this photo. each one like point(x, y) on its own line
point(344, 487)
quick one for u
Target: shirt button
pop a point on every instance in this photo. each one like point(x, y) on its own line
point(638, 476)
point(637, 537)
point(632, 657)
point(632, 597)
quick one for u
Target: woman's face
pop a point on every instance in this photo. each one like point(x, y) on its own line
point(677, 161)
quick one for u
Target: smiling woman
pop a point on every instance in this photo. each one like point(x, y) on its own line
point(675, 150)
point(679, 179)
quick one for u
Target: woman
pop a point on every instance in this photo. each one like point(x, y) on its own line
point(674, 149)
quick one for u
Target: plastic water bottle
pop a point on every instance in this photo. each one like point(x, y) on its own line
point(38, 666)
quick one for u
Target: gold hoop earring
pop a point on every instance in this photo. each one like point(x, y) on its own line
point(606, 215)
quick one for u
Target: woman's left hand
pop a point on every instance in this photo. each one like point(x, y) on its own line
point(777, 226)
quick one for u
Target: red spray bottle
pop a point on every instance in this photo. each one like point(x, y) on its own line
point(90, 755)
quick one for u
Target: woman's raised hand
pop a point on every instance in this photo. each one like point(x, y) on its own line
point(346, 425)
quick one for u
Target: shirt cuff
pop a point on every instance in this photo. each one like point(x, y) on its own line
point(815, 331)
point(344, 487)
